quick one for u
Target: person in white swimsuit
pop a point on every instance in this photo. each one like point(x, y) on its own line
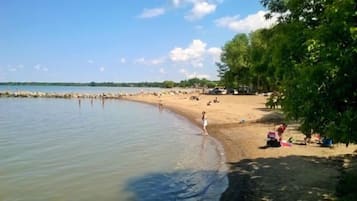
point(204, 122)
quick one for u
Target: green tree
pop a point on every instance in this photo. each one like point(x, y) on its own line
point(313, 50)
point(260, 57)
point(226, 75)
point(235, 56)
point(168, 84)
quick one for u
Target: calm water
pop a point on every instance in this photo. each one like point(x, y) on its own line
point(77, 89)
point(58, 149)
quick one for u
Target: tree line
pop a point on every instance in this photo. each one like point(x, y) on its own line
point(194, 82)
point(308, 57)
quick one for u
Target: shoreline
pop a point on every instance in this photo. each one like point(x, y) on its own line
point(251, 167)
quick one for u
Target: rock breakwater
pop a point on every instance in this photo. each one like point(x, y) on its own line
point(30, 94)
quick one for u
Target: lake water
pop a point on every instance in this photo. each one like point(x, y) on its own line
point(58, 149)
point(77, 89)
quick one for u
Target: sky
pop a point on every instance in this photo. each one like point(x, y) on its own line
point(119, 40)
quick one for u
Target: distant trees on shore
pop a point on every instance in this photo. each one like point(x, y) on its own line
point(194, 82)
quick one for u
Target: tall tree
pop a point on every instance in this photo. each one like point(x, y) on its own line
point(260, 58)
point(235, 56)
point(314, 53)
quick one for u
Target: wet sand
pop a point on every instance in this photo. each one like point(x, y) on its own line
point(240, 123)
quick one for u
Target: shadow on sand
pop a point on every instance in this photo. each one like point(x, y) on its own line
point(283, 178)
point(179, 185)
point(264, 109)
point(272, 117)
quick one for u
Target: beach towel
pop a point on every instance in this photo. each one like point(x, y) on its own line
point(285, 144)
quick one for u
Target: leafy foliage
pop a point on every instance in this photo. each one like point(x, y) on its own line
point(235, 56)
point(168, 84)
point(309, 56)
point(319, 83)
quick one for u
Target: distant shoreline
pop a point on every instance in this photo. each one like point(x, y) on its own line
point(86, 84)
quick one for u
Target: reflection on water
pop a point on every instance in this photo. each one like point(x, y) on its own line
point(108, 150)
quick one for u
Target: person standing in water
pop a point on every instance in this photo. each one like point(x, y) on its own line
point(79, 102)
point(204, 123)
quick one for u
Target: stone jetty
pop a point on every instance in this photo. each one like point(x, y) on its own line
point(29, 94)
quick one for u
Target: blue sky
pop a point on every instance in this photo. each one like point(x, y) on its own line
point(119, 40)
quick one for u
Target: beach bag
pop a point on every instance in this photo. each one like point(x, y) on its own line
point(273, 143)
point(326, 142)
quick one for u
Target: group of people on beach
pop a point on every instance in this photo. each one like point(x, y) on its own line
point(275, 138)
point(214, 101)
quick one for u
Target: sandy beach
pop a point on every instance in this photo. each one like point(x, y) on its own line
point(240, 123)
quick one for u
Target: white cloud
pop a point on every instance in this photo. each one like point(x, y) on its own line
point(183, 71)
point(37, 67)
point(123, 60)
point(139, 60)
point(215, 53)
point(179, 54)
point(197, 63)
point(90, 61)
point(176, 2)
point(195, 54)
point(14, 69)
point(101, 69)
point(162, 71)
point(194, 51)
point(200, 9)
point(150, 13)
point(157, 61)
point(192, 75)
point(250, 23)
point(144, 61)
point(201, 76)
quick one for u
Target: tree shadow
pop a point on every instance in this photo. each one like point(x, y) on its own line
point(178, 185)
point(284, 178)
point(272, 117)
point(264, 109)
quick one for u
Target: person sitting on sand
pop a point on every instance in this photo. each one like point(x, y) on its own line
point(197, 98)
point(272, 140)
point(307, 139)
point(280, 130)
point(204, 123)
